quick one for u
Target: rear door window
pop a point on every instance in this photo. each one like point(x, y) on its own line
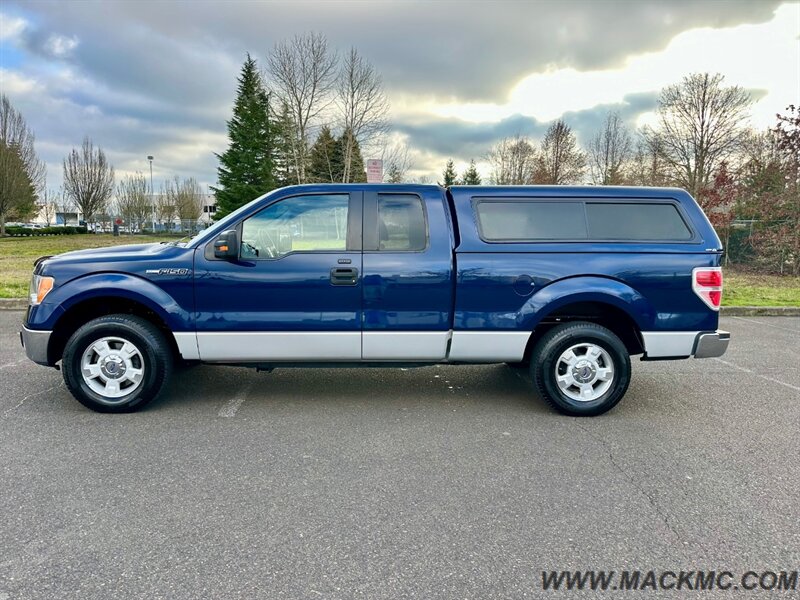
point(401, 223)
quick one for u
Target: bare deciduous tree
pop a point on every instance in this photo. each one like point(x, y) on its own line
point(302, 73)
point(513, 161)
point(48, 206)
point(165, 208)
point(88, 180)
point(609, 151)
point(187, 198)
point(133, 200)
point(396, 161)
point(362, 103)
point(700, 124)
point(22, 174)
point(560, 160)
point(648, 166)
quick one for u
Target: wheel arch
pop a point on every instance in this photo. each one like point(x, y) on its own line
point(604, 301)
point(89, 308)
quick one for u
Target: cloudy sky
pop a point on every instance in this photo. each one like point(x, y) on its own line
point(146, 77)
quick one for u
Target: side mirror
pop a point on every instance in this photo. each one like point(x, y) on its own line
point(227, 245)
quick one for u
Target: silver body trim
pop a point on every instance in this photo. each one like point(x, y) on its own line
point(488, 346)
point(35, 343)
point(465, 346)
point(661, 344)
point(405, 345)
point(259, 346)
point(187, 344)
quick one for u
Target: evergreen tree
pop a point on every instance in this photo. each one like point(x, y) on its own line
point(394, 175)
point(245, 169)
point(284, 147)
point(471, 175)
point(325, 164)
point(449, 174)
point(358, 172)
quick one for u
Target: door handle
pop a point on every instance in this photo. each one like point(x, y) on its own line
point(344, 276)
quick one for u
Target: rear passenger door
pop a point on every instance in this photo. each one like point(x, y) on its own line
point(407, 277)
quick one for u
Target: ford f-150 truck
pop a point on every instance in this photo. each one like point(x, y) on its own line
point(569, 282)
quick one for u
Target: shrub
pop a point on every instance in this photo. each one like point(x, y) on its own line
point(26, 232)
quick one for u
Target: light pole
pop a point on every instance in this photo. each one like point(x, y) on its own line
point(152, 197)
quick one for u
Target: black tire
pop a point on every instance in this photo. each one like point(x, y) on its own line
point(153, 357)
point(545, 360)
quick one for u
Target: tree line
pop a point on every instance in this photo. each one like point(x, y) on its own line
point(89, 186)
point(307, 115)
point(304, 118)
point(745, 180)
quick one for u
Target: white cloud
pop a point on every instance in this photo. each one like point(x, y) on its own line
point(15, 83)
point(60, 45)
point(758, 57)
point(11, 27)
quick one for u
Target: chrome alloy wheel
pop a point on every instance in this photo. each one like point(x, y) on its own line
point(584, 372)
point(112, 367)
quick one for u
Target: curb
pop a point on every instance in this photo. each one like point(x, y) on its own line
point(13, 303)
point(726, 311)
point(760, 311)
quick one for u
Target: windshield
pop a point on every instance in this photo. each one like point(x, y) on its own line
point(222, 225)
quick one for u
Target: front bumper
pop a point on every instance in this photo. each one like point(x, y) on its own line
point(710, 345)
point(35, 343)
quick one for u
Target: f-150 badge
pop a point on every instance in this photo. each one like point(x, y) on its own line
point(168, 271)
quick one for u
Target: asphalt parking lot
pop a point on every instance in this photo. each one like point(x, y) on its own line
point(442, 482)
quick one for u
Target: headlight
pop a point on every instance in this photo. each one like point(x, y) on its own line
point(40, 287)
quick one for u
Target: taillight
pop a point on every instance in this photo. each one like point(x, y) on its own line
point(707, 284)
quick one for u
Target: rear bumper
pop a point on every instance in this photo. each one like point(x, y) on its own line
point(35, 343)
point(664, 345)
point(709, 345)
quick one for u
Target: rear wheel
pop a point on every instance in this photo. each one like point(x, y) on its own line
point(116, 363)
point(581, 369)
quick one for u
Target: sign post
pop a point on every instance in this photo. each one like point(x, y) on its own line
point(374, 170)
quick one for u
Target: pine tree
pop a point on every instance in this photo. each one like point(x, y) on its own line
point(325, 164)
point(245, 170)
point(449, 174)
point(394, 175)
point(358, 172)
point(471, 175)
point(283, 150)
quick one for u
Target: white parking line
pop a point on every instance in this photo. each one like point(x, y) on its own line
point(765, 377)
point(13, 364)
point(764, 324)
point(230, 408)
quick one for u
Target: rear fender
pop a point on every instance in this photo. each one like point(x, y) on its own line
point(587, 289)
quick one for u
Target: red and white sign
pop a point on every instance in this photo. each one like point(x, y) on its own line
point(374, 170)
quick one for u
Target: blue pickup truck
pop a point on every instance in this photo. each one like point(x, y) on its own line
point(569, 282)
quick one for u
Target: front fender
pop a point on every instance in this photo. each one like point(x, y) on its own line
point(111, 285)
point(587, 289)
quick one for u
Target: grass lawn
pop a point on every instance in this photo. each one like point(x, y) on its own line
point(18, 253)
point(748, 289)
point(17, 256)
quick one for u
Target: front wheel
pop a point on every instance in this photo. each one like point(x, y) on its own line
point(581, 369)
point(116, 363)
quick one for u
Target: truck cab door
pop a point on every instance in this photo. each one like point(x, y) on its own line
point(407, 277)
point(294, 291)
